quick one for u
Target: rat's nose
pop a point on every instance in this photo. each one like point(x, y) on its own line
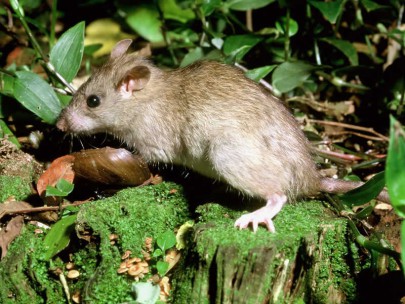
point(61, 124)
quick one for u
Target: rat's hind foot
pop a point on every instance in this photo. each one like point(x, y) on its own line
point(263, 215)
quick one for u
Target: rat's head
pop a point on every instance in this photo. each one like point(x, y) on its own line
point(100, 103)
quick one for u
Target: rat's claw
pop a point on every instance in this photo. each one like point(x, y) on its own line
point(270, 226)
point(263, 215)
point(242, 222)
point(255, 218)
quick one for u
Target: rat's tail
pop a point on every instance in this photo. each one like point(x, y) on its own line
point(331, 185)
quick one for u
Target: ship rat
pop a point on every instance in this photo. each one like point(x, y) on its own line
point(208, 117)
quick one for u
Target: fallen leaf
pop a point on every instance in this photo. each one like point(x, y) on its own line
point(8, 234)
point(12, 205)
point(60, 168)
point(338, 109)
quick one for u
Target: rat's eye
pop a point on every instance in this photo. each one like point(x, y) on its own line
point(93, 101)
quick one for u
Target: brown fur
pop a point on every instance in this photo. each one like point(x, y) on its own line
point(208, 117)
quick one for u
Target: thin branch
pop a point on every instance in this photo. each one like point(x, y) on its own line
point(359, 135)
point(48, 208)
point(349, 126)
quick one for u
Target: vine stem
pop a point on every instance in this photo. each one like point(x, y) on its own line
point(287, 37)
point(53, 22)
point(49, 66)
point(363, 241)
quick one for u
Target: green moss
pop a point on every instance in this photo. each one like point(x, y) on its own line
point(296, 225)
point(132, 214)
point(25, 279)
point(136, 213)
point(339, 263)
point(13, 186)
point(291, 223)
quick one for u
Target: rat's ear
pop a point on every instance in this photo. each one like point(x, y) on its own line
point(135, 80)
point(120, 48)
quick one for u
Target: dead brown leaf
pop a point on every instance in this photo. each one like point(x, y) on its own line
point(8, 234)
point(12, 205)
point(60, 168)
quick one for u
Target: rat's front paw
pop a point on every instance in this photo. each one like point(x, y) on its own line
point(260, 216)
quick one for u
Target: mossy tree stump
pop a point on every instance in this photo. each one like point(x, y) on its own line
point(310, 259)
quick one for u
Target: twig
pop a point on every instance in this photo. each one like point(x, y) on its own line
point(63, 281)
point(359, 135)
point(348, 126)
point(249, 20)
point(166, 38)
point(50, 208)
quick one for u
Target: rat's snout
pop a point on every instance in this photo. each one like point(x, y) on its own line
point(61, 124)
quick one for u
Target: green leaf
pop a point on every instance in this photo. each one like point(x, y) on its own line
point(238, 46)
point(244, 5)
point(292, 27)
point(371, 5)
point(365, 213)
point(17, 8)
point(144, 20)
point(67, 53)
point(166, 240)
point(92, 48)
point(64, 186)
point(289, 75)
point(217, 42)
point(259, 73)
point(6, 84)
point(5, 132)
point(64, 99)
point(192, 56)
point(395, 173)
point(330, 10)
point(209, 6)
point(146, 292)
point(36, 95)
point(58, 237)
point(157, 253)
point(345, 47)
point(397, 35)
point(29, 5)
point(53, 191)
point(172, 11)
point(162, 267)
point(366, 192)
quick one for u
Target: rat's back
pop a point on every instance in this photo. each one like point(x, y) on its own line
point(249, 137)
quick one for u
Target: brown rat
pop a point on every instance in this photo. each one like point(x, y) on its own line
point(207, 116)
